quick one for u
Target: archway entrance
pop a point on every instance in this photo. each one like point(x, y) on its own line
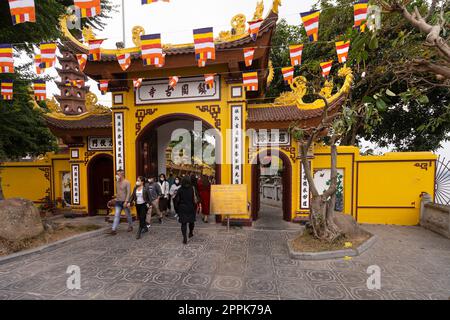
point(271, 188)
point(100, 183)
point(170, 144)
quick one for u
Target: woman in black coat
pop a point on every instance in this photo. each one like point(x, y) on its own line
point(186, 202)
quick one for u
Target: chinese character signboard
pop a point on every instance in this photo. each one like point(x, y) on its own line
point(271, 137)
point(304, 190)
point(100, 143)
point(236, 144)
point(76, 184)
point(187, 89)
point(119, 141)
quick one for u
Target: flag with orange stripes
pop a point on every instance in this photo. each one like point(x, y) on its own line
point(209, 80)
point(95, 53)
point(360, 9)
point(173, 81)
point(6, 90)
point(48, 54)
point(151, 49)
point(82, 59)
point(295, 53)
point(124, 60)
point(88, 8)
point(311, 23)
point(40, 92)
point(250, 81)
point(22, 11)
point(288, 74)
point(342, 50)
point(103, 86)
point(6, 58)
point(204, 45)
point(153, 1)
point(249, 53)
point(137, 83)
point(326, 68)
point(37, 64)
point(254, 27)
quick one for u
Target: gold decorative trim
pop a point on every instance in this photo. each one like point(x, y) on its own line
point(140, 116)
point(214, 111)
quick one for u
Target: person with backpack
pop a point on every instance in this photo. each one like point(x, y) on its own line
point(186, 201)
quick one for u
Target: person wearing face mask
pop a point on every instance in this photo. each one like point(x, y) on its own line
point(142, 198)
point(164, 198)
point(173, 192)
point(155, 193)
point(122, 196)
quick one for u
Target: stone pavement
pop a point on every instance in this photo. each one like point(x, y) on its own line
point(244, 263)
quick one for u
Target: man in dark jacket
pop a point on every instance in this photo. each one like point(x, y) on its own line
point(155, 192)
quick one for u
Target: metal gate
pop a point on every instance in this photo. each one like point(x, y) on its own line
point(442, 181)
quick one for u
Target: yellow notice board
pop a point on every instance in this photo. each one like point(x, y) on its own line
point(229, 199)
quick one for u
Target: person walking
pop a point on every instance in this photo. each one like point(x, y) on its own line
point(122, 197)
point(173, 192)
point(204, 191)
point(155, 193)
point(164, 198)
point(141, 197)
point(170, 180)
point(198, 203)
point(186, 201)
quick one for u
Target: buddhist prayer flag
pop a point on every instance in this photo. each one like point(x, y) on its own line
point(37, 64)
point(7, 89)
point(137, 83)
point(288, 74)
point(311, 22)
point(209, 80)
point(173, 82)
point(48, 54)
point(151, 49)
point(250, 81)
point(6, 58)
point(254, 28)
point(104, 86)
point(40, 92)
point(326, 68)
point(124, 60)
point(204, 45)
point(342, 50)
point(22, 11)
point(88, 8)
point(152, 1)
point(360, 13)
point(162, 61)
point(248, 56)
point(295, 52)
point(94, 49)
point(82, 59)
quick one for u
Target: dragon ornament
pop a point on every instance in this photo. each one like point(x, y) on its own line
point(136, 33)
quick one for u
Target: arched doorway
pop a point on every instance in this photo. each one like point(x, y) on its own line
point(100, 183)
point(284, 173)
point(154, 143)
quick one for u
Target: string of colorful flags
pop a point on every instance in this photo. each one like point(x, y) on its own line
point(151, 48)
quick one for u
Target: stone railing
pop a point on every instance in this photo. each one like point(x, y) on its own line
point(435, 217)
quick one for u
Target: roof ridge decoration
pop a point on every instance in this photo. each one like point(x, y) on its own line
point(238, 24)
point(92, 107)
point(299, 90)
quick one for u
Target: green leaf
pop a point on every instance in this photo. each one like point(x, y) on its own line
point(423, 99)
point(381, 105)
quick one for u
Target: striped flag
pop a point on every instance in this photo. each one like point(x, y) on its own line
point(40, 92)
point(209, 80)
point(288, 74)
point(151, 49)
point(173, 81)
point(162, 62)
point(137, 83)
point(204, 45)
point(7, 89)
point(22, 11)
point(342, 50)
point(94, 49)
point(82, 59)
point(103, 86)
point(153, 1)
point(6, 58)
point(48, 54)
point(37, 64)
point(254, 28)
point(311, 22)
point(88, 8)
point(248, 56)
point(295, 52)
point(326, 68)
point(250, 81)
point(360, 13)
point(124, 60)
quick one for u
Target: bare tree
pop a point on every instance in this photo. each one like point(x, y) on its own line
point(433, 24)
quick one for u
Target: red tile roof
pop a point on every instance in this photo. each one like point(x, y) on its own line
point(103, 121)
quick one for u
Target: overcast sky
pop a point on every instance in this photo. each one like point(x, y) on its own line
point(175, 21)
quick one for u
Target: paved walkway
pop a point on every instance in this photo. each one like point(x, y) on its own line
point(242, 264)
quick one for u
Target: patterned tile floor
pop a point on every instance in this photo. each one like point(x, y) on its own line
point(245, 263)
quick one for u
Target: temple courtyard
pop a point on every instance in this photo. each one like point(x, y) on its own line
point(244, 263)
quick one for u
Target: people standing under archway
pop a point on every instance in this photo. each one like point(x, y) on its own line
point(204, 190)
point(164, 198)
point(142, 198)
point(173, 192)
